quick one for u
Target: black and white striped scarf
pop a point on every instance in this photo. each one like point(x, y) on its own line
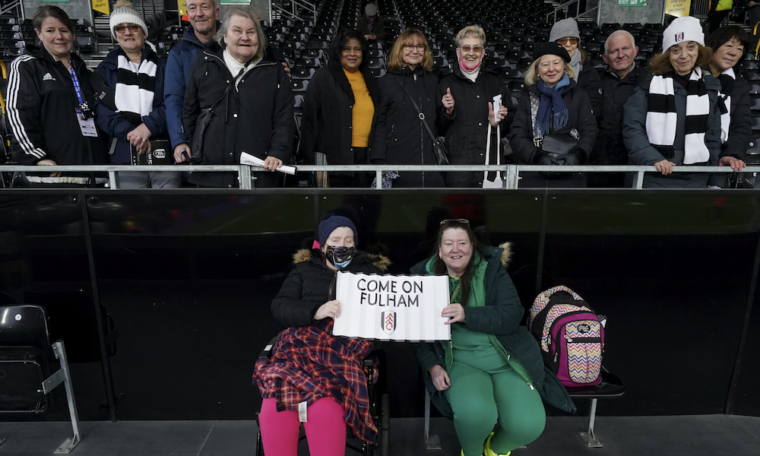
point(134, 89)
point(724, 96)
point(662, 117)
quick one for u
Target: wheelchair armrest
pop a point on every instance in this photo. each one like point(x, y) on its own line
point(267, 351)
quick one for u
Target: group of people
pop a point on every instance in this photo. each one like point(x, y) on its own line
point(490, 371)
point(222, 93)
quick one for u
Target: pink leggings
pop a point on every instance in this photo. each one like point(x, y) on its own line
point(325, 429)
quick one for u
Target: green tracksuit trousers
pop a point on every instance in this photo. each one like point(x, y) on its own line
point(484, 389)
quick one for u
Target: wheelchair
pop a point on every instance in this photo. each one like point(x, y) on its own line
point(379, 404)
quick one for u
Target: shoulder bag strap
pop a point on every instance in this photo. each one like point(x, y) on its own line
point(420, 114)
point(534, 101)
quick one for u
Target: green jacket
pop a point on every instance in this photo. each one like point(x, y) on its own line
point(501, 316)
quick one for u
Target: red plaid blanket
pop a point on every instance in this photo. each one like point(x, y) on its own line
point(308, 363)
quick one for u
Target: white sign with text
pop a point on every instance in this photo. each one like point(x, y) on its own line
point(386, 307)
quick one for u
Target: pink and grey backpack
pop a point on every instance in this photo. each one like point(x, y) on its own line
point(570, 334)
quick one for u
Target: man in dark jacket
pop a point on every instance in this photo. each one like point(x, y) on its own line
point(619, 79)
point(372, 25)
point(203, 16)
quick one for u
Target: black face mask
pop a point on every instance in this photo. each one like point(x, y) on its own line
point(340, 257)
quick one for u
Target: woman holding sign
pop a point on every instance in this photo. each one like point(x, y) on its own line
point(492, 369)
point(312, 376)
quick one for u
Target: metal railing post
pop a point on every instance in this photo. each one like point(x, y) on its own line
point(512, 177)
point(639, 180)
point(378, 179)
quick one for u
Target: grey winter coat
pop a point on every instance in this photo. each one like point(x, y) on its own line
point(641, 152)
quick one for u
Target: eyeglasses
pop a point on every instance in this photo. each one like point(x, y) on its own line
point(569, 38)
point(467, 48)
point(132, 28)
point(418, 47)
point(462, 221)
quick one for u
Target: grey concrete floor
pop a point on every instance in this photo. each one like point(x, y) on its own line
point(713, 435)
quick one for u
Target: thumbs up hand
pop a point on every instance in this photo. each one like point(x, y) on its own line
point(448, 101)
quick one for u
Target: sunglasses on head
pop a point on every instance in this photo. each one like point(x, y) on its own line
point(569, 38)
point(462, 221)
point(132, 28)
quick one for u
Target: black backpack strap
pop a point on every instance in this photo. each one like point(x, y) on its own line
point(103, 93)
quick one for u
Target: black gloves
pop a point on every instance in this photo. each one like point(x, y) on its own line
point(576, 156)
point(541, 158)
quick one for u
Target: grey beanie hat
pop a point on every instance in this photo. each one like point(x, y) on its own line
point(126, 14)
point(563, 29)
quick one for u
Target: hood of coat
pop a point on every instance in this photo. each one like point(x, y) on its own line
point(488, 253)
point(189, 35)
point(372, 86)
point(379, 261)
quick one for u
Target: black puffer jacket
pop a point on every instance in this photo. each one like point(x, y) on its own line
point(41, 111)
point(327, 115)
point(400, 138)
point(580, 118)
point(609, 148)
point(466, 130)
point(311, 283)
point(256, 118)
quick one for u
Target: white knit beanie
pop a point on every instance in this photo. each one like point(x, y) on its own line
point(563, 29)
point(124, 13)
point(681, 30)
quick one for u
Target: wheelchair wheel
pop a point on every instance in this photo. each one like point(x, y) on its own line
point(259, 444)
point(385, 425)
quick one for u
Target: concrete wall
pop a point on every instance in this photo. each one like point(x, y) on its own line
point(611, 13)
point(260, 6)
point(76, 9)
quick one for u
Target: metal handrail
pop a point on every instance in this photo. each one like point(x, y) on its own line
point(565, 5)
point(511, 172)
point(292, 13)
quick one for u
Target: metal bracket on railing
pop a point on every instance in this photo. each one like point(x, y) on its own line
point(511, 177)
point(244, 175)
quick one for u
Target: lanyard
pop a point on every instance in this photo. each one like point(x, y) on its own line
point(78, 89)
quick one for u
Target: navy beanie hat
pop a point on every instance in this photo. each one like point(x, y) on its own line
point(330, 224)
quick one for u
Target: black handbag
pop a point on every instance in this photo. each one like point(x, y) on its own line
point(201, 124)
point(558, 145)
point(439, 149)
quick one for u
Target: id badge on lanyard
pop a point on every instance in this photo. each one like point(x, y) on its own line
point(83, 112)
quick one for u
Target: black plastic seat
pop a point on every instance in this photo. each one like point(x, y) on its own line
point(611, 387)
point(302, 73)
point(26, 354)
point(300, 85)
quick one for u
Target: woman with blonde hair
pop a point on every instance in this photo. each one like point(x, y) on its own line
point(465, 124)
point(673, 119)
point(554, 123)
point(408, 89)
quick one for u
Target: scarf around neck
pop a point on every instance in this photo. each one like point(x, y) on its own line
point(727, 80)
point(662, 118)
point(135, 86)
point(575, 63)
point(551, 102)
